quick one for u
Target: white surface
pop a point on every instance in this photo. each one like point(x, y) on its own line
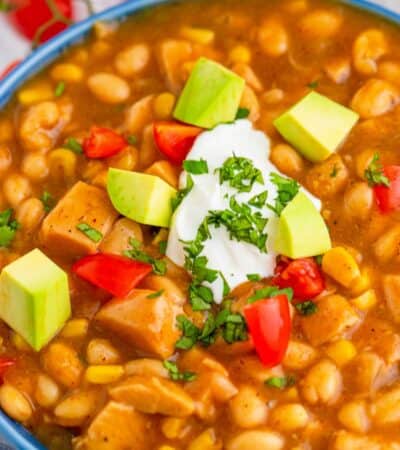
point(13, 47)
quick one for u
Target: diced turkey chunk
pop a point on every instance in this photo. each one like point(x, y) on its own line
point(334, 317)
point(385, 409)
point(173, 54)
point(118, 239)
point(153, 395)
point(116, 427)
point(391, 288)
point(148, 324)
point(82, 204)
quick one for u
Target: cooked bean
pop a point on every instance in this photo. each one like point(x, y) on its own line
point(76, 409)
point(374, 98)
point(338, 70)
point(101, 351)
point(358, 201)
point(5, 158)
point(260, 440)
point(30, 213)
point(240, 54)
point(248, 74)
point(386, 247)
point(390, 71)
point(109, 88)
point(139, 115)
point(320, 24)
point(299, 355)
point(273, 96)
point(14, 403)
point(146, 367)
point(289, 417)
point(273, 38)
point(16, 189)
point(322, 384)
point(148, 150)
point(354, 416)
point(369, 46)
point(250, 101)
point(287, 159)
point(248, 409)
point(202, 36)
point(47, 392)
point(35, 93)
point(206, 441)
point(101, 50)
point(6, 130)
point(385, 409)
point(132, 60)
point(35, 166)
point(363, 160)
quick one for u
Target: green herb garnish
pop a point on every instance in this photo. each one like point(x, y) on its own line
point(259, 200)
point(73, 145)
point(195, 167)
point(318, 259)
point(156, 294)
point(48, 201)
point(5, 6)
point(240, 173)
point(335, 171)
point(307, 308)
point(162, 247)
point(176, 375)
point(313, 85)
point(8, 227)
point(136, 252)
point(182, 193)
point(287, 190)
point(253, 277)
point(374, 173)
point(242, 113)
point(270, 291)
point(60, 88)
point(132, 139)
point(93, 234)
point(280, 382)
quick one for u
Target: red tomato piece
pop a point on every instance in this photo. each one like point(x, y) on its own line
point(29, 15)
point(269, 325)
point(302, 275)
point(5, 364)
point(175, 139)
point(9, 68)
point(388, 198)
point(116, 274)
point(103, 143)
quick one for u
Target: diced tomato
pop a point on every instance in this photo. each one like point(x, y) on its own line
point(9, 68)
point(175, 140)
point(388, 198)
point(116, 274)
point(29, 15)
point(103, 143)
point(302, 275)
point(5, 364)
point(269, 325)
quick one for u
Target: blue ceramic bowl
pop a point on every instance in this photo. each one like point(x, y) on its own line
point(14, 434)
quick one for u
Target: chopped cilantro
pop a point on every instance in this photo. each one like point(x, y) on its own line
point(313, 85)
point(132, 139)
point(48, 201)
point(135, 252)
point(156, 294)
point(8, 227)
point(280, 382)
point(190, 333)
point(318, 259)
point(287, 190)
point(182, 193)
point(201, 297)
point(162, 247)
point(240, 173)
point(73, 145)
point(60, 88)
point(253, 277)
point(374, 173)
point(259, 200)
point(196, 167)
point(307, 308)
point(176, 375)
point(270, 291)
point(93, 234)
point(335, 171)
point(5, 6)
point(242, 113)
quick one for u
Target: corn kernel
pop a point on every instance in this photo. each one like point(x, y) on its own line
point(363, 282)
point(20, 343)
point(103, 374)
point(339, 264)
point(292, 394)
point(67, 72)
point(161, 236)
point(75, 328)
point(201, 36)
point(100, 179)
point(240, 54)
point(35, 94)
point(342, 352)
point(365, 301)
point(173, 427)
point(62, 164)
point(166, 171)
point(164, 105)
point(205, 441)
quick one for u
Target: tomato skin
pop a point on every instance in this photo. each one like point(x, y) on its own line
point(388, 198)
point(29, 15)
point(302, 275)
point(9, 68)
point(103, 142)
point(269, 324)
point(175, 140)
point(116, 274)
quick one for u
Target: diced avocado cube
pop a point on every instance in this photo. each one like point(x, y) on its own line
point(141, 197)
point(316, 126)
point(34, 298)
point(211, 95)
point(301, 231)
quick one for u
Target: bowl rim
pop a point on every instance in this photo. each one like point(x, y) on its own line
point(15, 434)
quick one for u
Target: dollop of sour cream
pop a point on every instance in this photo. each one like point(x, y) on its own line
point(233, 259)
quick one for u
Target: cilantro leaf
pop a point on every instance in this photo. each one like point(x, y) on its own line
point(313, 85)
point(195, 167)
point(307, 308)
point(5, 6)
point(253, 277)
point(48, 201)
point(270, 291)
point(132, 139)
point(280, 382)
point(156, 294)
point(240, 173)
point(60, 88)
point(259, 200)
point(287, 190)
point(190, 333)
point(90, 232)
point(175, 202)
point(73, 145)
point(242, 113)
point(136, 252)
point(176, 375)
point(8, 227)
point(162, 247)
point(374, 173)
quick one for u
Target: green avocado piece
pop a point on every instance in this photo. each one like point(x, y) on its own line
point(301, 231)
point(211, 95)
point(316, 126)
point(34, 298)
point(141, 197)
